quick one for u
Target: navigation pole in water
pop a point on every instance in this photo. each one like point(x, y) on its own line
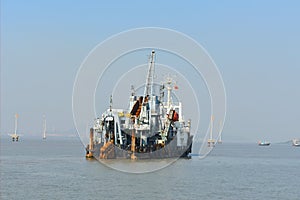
point(211, 141)
point(45, 127)
point(14, 136)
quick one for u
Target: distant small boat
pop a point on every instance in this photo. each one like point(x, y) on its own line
point(296, 142)
point(260, 143)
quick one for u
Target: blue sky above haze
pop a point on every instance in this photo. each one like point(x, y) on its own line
point(255, 44)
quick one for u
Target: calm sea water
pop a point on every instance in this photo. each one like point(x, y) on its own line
point(57, 169)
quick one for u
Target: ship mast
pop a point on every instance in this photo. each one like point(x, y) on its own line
point(145, 106)
point(169, 88)
point(110, 103)
point(150, 75)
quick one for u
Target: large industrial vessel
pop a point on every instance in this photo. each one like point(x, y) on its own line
point(152, 126)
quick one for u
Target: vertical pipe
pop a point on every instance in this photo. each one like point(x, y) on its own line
point(133, 157)
point(91, 145)
point(90, 148)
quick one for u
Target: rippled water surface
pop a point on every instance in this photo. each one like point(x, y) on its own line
point(57, 169)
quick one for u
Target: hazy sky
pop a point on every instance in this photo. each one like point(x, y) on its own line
point(255, 44)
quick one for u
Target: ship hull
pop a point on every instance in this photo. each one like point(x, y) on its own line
point(171, 150)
